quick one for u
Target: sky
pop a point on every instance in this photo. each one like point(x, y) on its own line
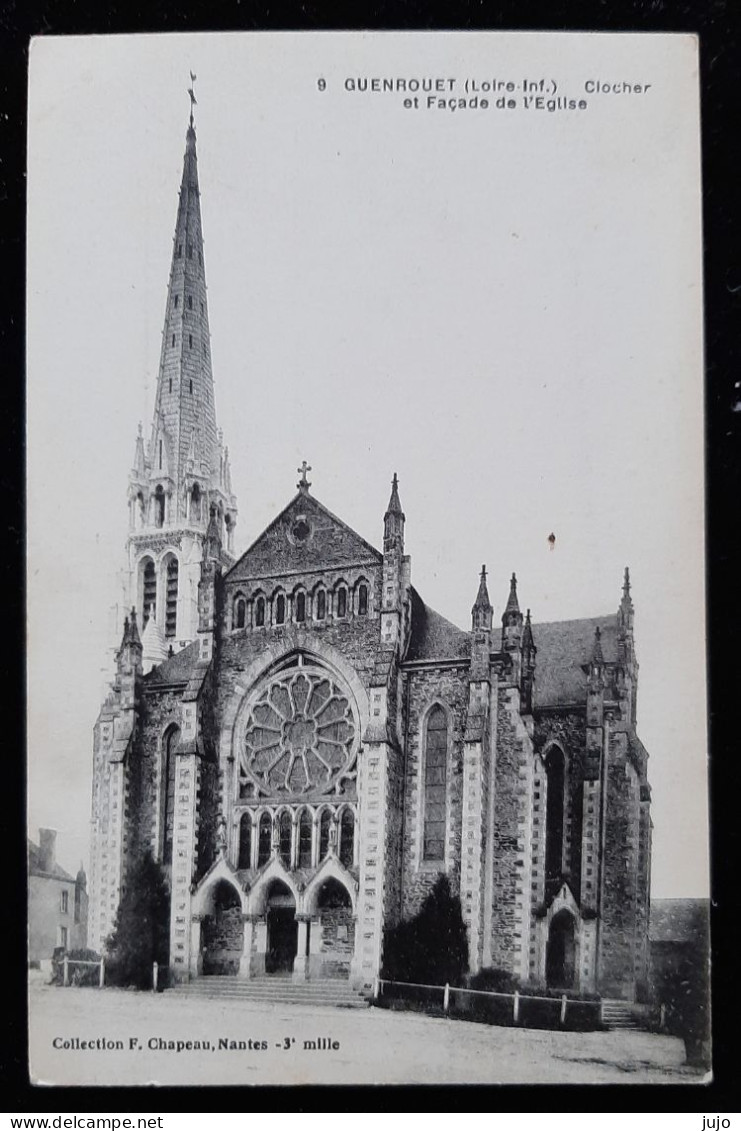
point(501, 305)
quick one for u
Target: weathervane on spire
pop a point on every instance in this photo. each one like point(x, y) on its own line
point(192, 94)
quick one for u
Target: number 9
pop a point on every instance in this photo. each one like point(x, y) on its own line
point(321, 84)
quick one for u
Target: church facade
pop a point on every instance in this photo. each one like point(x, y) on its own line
point(306, 746)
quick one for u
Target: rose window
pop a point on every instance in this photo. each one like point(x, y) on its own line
point(300, 735)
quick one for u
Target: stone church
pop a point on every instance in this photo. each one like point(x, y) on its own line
point(305, 745)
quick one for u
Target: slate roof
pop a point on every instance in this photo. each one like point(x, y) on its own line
point(35, 869)
point(434, 637)
point(178, 669)
point(678, 920)
point(563, 650)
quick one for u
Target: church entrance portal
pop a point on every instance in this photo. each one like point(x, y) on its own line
point(282, 940)
point(560, 964)
point(222, 933)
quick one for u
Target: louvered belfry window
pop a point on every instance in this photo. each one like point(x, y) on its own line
point(435, 783)
point(171, 608)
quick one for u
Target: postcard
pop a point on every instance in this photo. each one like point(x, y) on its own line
point(365, 494)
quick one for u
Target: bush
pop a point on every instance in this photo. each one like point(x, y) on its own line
point(494, 980)
point(141, 935)
point(431, 948)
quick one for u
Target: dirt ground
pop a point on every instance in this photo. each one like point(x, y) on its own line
point(233, 1042)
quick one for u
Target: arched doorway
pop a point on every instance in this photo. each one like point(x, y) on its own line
point(222, 933)
point(282, 933)
point(560, 960)
point(336, 928)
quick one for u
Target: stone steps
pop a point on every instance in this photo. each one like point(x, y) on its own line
point(620, 1015)
point(281, 991)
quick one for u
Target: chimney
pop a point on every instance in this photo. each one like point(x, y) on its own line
point(48, 848)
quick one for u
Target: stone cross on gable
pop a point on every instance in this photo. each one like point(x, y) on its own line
point(303, 483)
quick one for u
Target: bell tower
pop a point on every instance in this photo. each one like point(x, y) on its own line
point(180, 480)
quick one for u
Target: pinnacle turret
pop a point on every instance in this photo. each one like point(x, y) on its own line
point(513, 605)
point(481, 613)
point(512, 620)
point(597, 659)
point(394, 506)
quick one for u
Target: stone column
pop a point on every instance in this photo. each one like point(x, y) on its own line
point(260, 928)
point(301, 961)
point(195, 965)
point(315, 948)
point(245, 962)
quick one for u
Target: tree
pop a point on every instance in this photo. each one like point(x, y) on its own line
point(431, 948)
point(141, 935)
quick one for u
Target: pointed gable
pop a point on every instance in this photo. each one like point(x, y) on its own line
point(305, 536)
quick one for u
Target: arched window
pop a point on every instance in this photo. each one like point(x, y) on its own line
point(320, 605)
point(245, 842)
point(140, 510)
point(284, 837)
point(300, 607)
point(171, 604)
point(260, 612)
point(363, 600)
point(435, 782)
point(195, 504)
point(280, 609)
point(341, 607)
point(240, 612)
point(324, 826)
point(149, 591)
point(347, 837)
point(554, 768)
point(159, 507)
point(304, 840)
point(168, 792)
point(264, 840)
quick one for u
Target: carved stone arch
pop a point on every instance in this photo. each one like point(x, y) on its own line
point(258, 895)
point(220, 872)
point(329, 869)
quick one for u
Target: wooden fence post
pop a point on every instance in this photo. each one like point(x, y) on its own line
point(564, 1001)
point(65, 967)
point(516, 1007)
point(155, 969)
point(446, 997)
point(101, 976)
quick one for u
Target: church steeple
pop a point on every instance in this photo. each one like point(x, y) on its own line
point(181, 478)
point(184, 410)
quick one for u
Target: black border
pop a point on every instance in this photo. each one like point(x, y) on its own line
point(717, 24)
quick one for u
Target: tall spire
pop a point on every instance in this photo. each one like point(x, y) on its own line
point(185, 384)
point(181, 477)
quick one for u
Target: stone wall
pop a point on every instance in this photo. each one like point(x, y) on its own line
point(337, 930)
point(421, 689)
point(511, 837)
